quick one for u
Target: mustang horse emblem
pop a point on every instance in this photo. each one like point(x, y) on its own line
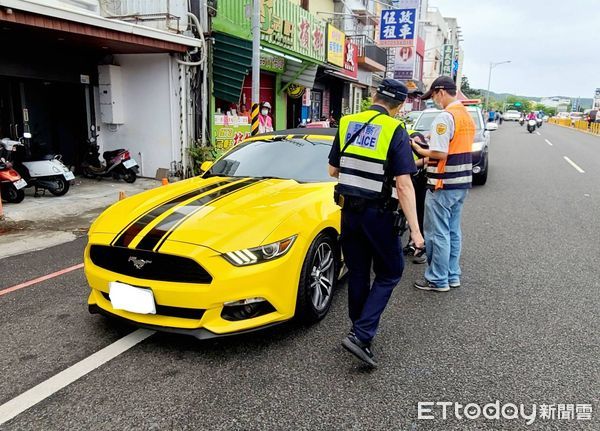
point(138, 263)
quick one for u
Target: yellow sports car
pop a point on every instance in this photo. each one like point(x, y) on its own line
point(251, 243)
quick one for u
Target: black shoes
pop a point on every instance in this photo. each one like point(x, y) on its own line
point(359, 349)
point(425, 284)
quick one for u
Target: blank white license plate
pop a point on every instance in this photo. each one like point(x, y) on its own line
point(130, 298)
point(69, 176)
point(129, 163)
point(20, 184)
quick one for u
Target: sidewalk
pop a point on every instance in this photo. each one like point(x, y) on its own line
point(38, 223)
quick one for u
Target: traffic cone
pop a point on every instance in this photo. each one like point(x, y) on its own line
point(165, 181)
point(122, 196)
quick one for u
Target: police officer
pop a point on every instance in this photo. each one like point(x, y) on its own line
point(372, 149)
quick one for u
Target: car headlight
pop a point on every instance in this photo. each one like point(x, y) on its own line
point(55, 169)
point(262, 253)
point(477, 146)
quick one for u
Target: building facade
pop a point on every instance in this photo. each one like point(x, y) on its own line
point(69, 65)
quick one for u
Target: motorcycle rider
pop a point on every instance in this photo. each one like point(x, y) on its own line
point(531, 116)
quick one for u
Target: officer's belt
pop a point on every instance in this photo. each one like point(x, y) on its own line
point(354, 203)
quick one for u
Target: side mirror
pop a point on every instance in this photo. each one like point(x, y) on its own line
point(205, 166)
point(490, 127)
point(27, 135)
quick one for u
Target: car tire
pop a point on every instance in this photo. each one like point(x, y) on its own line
point(319, 270)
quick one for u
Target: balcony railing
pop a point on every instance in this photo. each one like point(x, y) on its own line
point(370, 56)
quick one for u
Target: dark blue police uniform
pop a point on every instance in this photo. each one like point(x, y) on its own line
point(368, 238)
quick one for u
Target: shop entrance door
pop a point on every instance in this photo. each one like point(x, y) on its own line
point(55, 113)
point(11, 115)
point(294, 112)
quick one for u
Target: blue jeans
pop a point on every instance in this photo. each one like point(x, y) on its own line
point(443, 209)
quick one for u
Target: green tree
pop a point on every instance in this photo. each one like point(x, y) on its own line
point(471, 93)
point(519, 103)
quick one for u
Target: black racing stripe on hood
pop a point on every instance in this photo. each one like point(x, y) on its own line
point(124, 238)
point(159, 234)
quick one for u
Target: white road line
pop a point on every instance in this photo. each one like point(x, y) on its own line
point(569, 161)
point(45, 389)
point(548, 142)
point(538, 133)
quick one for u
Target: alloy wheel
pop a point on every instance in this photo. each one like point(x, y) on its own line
point(322, 276)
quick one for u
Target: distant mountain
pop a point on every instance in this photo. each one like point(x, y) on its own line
point(584, 102)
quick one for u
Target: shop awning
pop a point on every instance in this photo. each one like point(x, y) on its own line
point(232, 62)
point(340, 75)
point(52, 22)
point(300, 73)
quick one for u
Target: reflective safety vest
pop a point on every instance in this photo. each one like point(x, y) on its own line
point(456, 171)
point(363, 163)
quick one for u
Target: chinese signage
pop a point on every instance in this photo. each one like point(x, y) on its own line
point(229, 131)
point(447, 59)
point(335, 46)
point(286, 25)
point(397, 27)
point(404, 62)
point(596, 104)
point(272, 63)
point(351, 59)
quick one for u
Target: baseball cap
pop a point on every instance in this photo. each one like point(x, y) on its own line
point(441, 83)
point(394, 89)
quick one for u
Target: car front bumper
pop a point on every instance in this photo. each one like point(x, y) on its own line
point(197, 309)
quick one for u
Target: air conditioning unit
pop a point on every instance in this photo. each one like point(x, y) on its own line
point(167, 15)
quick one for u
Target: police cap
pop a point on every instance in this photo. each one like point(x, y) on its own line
point(393, 89)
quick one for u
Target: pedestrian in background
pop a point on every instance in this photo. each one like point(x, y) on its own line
point(369, 150)
point(265, 122)
point(449, 177)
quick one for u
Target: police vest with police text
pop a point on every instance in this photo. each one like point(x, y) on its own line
point(362, 165)
point(456, 171)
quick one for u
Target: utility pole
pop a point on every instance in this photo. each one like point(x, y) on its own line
point(492, 65)
point(255, 64)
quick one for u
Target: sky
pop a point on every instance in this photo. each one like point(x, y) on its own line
point(554, 46)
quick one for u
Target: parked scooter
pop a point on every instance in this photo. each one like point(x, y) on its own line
point(11, 184)
point(49, 173)
point(531, 124)
point(117, 164)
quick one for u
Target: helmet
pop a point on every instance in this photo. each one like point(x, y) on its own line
point(266, 105)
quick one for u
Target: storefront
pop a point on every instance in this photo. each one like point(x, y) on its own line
point(52, 88)
point(292, 47)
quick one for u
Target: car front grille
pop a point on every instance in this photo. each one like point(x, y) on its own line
point(148, 265)
point(165, 310)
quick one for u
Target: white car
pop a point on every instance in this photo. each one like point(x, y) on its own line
point(511, 115)
point(480, 147)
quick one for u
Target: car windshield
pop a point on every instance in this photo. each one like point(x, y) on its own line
point(412, 116)
point(303, 160)
point(425, 120)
